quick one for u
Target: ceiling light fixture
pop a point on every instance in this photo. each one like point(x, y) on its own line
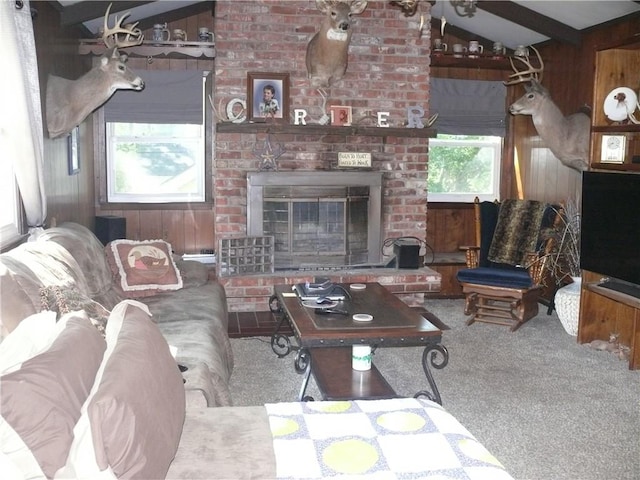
point(464, 8)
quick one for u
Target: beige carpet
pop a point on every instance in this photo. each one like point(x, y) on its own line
point(546, 407)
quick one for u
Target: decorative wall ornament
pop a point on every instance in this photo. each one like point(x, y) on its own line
point(69, 102)
point(327, 52)
point(268, 154)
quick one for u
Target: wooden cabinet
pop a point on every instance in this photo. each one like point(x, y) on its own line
point(616, 68)
point(604, 311)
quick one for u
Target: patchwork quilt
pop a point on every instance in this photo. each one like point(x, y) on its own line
point(402, 438)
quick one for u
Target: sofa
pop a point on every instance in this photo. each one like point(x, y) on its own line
point(93, 382)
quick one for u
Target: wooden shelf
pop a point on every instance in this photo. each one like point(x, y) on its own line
point(353, 130)
point(148, 48)
point(620, 167)
point(484, 61)
point(629, 127)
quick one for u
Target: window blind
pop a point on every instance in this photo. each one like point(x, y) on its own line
point(167, 97)
point(468, 107)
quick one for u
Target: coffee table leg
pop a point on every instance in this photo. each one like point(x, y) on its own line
point(302, 364)
point(280, 343)
point(430, 356)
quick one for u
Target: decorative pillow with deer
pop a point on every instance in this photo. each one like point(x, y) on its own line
point(143, 268)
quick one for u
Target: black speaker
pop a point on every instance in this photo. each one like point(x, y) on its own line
point(110, 227)
point(407, 251)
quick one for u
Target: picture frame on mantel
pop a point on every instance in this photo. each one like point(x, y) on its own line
point(267, 97)
point(73, 159)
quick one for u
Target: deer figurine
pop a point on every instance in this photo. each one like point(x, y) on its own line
point(566, 137)
point(69, 102)
point(327, 52)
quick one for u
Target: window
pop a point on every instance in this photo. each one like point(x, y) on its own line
point(154, 163)
point(462, 167)
point(155, 147)
point(11, 212)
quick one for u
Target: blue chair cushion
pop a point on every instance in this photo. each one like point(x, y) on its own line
point(497, 277)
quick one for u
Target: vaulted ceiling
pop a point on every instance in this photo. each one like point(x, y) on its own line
point(517, 22)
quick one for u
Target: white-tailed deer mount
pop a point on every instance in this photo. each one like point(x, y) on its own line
point(69, 102)
point(327, 52)
point(566, 137)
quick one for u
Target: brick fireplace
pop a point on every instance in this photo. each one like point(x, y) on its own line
point(388, 72)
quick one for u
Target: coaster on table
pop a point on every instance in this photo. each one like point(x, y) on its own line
point(357, 286)
point(362, 317)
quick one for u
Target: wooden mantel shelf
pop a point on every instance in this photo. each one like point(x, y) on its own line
point(353, 130)
point(148, 48)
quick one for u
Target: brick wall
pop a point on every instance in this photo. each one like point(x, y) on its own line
point(388, 71)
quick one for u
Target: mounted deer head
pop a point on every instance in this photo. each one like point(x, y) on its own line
point(327, 52)
point(566, 137)
point(69, 102)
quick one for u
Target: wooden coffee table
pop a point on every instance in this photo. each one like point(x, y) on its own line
point(324, 341)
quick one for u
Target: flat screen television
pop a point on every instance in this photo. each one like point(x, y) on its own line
point(610, 229)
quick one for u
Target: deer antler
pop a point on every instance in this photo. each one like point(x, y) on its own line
point(111, 36)
point(526, 75)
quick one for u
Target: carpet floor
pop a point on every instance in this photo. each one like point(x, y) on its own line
point(545, 406)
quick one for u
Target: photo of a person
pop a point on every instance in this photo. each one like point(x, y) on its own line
point(269, 106)
point(268, 96)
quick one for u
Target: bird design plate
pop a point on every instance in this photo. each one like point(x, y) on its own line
point(620, 103)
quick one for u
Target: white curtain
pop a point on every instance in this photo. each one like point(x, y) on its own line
point(21, 134)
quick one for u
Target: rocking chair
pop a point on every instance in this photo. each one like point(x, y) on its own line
point(503, 279)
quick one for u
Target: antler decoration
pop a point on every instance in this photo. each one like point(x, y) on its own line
point(111, 37)
point(530, 73)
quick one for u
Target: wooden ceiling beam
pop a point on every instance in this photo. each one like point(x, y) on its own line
point(84, 11)
point(532, 20)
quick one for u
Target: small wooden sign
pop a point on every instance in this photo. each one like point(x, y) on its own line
point(354, 159)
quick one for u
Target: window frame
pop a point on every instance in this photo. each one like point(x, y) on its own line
point(100, 153)
point(498, 147)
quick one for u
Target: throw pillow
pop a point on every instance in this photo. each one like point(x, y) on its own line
point(63, 300)
point(143, 268)
point(41, 401)
point(32, 336)
point(132, 422)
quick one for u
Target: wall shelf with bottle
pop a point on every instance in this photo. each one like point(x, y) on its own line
point(153, 48)
point(615, 138)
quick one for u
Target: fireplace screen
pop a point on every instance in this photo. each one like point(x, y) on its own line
point(316, 226)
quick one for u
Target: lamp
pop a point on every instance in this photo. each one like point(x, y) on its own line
point(464, 8)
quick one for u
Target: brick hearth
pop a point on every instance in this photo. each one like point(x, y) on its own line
point(250, 293)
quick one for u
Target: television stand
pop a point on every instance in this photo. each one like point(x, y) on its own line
point(605, 310)
point(622, 287)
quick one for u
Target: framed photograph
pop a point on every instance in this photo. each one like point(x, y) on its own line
point(74, 156)
point(613, 149)
point(267, 97)
point(340, 115)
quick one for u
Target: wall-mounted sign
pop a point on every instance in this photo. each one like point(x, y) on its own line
point(354, 159)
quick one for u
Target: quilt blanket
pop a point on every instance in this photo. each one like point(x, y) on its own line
point(402, 438)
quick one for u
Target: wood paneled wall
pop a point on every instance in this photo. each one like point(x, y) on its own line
point(69, 197)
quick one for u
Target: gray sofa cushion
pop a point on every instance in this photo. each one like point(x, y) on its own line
point(225, 443)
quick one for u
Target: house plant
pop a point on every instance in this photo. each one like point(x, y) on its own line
point(564, 264)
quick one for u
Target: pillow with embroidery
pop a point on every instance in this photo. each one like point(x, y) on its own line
point(143, 268)
point(63, 300)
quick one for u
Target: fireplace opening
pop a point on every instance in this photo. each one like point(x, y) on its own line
point(326, 220)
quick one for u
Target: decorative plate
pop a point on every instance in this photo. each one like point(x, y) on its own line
point(620, 103)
